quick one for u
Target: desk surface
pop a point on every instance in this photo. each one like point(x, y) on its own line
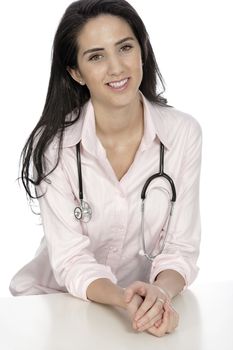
point(62, 322)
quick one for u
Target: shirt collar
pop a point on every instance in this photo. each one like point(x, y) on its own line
point(84, 128)
point(155, 122)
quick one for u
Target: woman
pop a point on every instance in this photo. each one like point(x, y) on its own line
point(103, 112)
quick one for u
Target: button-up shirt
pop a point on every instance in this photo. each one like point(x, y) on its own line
point(73, 253)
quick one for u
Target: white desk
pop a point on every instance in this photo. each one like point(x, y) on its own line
point(62, 322)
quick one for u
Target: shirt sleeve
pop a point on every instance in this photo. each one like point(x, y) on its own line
point(73, 264)
point(181, 249)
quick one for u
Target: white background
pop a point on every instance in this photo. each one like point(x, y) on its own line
point(193, 45)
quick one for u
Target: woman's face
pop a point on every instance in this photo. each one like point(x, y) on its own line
point(109, 61)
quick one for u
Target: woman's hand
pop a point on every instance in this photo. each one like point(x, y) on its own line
point(168, 323)
point(155, 313)
point(133, 306)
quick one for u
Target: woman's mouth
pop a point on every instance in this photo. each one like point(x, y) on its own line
point(119, 85)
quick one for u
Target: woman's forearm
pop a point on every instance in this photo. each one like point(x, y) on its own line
point(171, 282)
point(104, 291)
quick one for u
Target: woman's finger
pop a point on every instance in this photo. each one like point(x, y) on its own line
point(169, 322)
point(133, 305)
point(147, 304)
point(158, 323)
point(174, 320)
point(151, 323)
point(154, 311)
point(162, 329)
point(136, 287)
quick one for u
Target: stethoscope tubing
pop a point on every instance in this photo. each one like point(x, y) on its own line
point(161, 173)
point(86, 209)
point(80, 178)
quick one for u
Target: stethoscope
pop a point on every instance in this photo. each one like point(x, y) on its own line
point(83, 212)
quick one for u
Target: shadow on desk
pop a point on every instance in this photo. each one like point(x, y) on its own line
point(62, 322)
point(111, 327)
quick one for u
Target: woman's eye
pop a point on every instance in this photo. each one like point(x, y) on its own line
point(98, 57)
point(94, 58)
point(126, 48)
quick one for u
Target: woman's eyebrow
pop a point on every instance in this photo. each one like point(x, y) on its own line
point(101, 48)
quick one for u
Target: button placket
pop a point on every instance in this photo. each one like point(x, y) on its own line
point(118, 230)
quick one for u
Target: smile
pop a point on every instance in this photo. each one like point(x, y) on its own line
point(119, 85)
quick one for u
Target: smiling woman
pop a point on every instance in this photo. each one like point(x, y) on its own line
point(104, 132)
point(109, 63)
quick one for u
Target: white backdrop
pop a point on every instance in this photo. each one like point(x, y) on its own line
point(193, 46)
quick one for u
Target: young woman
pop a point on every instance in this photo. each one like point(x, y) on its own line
point(111, 235)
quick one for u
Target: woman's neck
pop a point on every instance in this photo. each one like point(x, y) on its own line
point(119, 125)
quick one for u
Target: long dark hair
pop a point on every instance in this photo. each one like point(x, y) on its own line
point(65, 94)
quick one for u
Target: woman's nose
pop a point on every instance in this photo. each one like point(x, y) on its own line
point(115, 66)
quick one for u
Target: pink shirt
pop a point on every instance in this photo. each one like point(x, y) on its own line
point(72, 254)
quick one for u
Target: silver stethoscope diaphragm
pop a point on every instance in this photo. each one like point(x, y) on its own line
point(83, 212)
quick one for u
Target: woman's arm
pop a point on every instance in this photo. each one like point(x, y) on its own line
point(176, 266)
point(168, 284)
point(170, 281)
point(73, 262)
point(103, 291)
point(181, 249)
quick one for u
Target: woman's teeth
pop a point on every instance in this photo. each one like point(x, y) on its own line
point(118, 84)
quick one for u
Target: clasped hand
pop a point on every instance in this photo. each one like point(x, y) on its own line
point(150, 309)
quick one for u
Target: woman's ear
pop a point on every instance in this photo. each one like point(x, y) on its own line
point(75, 75)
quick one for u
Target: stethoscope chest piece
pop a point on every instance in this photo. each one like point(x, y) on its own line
point(83, 212)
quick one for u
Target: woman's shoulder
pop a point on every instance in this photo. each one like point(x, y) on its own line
point(70, 135)
point(72, 131)
point(174, 116)
point(172, 124)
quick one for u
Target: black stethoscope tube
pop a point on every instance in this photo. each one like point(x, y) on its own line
point(80, 179)
point(160, 174)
